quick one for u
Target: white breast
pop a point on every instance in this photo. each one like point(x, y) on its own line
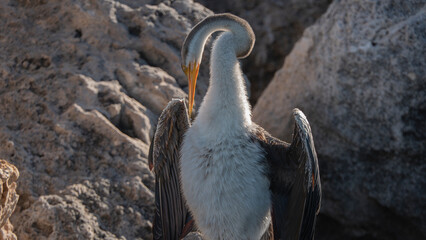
point(225, 185)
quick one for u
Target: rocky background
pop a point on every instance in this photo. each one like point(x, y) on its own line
point(83, 82)
point(359, 74)
point(81, 86)
point(278, 24)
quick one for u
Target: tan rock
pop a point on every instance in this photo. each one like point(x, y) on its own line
point(81, 86)
point(9, 198)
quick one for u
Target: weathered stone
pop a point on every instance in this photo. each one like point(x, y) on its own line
point(278, 24)
point(8, 176)
point(6, 232)
point(82, 212)
point(81, 87)
point(359, 75)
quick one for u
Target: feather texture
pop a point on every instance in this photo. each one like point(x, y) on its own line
point(295, 181)
point(238, 181)
point(171, 214)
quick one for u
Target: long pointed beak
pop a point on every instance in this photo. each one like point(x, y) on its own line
point(191, 72)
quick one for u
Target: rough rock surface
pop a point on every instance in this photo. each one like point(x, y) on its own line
point(278, 24)
point(81, 87)
point(9, 174)
point(359, 76)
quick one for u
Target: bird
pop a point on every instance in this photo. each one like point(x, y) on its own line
point(219, 173)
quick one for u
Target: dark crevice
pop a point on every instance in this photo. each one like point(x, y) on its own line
point(125, 125)
point(146, 60)
point(328, 228)
point(159, 13)
point(134, 31)
point(78, 33)
point(4, 195)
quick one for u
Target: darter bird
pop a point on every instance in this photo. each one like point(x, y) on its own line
point(222, 174)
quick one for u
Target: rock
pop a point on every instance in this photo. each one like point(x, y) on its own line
point(159, 35)
point(278, 24)
point(153, 86)
point(8, 176)
point(359, 76)
point(83, 211)
point(6, 232)
point(81, 87)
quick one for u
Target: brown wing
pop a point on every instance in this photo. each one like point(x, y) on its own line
point(171, 213)
point(295, 181)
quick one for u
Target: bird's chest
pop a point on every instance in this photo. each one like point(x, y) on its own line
point(226, 188)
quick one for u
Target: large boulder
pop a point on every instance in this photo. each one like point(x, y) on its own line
point(81, 86)
point(278, 24)
point(359, 75)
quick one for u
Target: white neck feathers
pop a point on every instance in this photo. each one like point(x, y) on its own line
point(225, 106)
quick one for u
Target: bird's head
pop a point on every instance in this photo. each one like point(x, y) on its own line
point(193, 46)
point(192, 51)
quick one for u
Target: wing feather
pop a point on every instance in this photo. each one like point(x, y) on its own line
point(171, 213)
point(295, 181)
point(312, 184)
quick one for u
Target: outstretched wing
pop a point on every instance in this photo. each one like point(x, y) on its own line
point(295, 182)
point(171, 215)
point(305, 195)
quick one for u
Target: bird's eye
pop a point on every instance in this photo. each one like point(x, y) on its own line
point(185, 69)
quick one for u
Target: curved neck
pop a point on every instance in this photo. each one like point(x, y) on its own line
point(225, 106)
point(194, 43)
